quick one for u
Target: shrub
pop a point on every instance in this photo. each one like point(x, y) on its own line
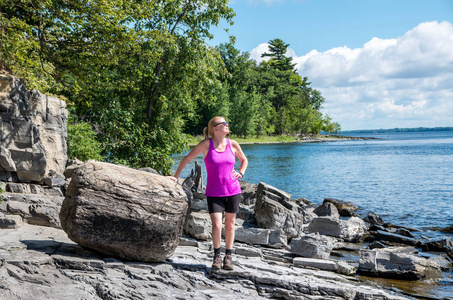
point(82, 143)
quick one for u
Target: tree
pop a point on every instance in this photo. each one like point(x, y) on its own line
point(278, 59)
point(133, 68)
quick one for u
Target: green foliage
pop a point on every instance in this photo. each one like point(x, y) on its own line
point(82, 143)
point(1, 194)
point(278, 59)
point(142, 74)
point(131, 68)
point(270, 98)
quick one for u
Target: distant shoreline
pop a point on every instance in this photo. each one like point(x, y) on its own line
point(416, 129)
point(304, 139)
point(323, 139)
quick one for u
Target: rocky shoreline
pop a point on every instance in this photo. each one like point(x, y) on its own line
point(93, 230)
point(323, 261)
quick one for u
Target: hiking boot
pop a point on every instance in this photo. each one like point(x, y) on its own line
point(217, 262)
point(228, 262)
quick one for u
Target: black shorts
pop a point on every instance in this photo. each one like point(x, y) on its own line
point(229, 204)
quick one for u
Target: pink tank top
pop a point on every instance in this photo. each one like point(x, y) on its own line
point(219, 166)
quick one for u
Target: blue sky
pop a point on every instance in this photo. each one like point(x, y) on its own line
point(379, 64)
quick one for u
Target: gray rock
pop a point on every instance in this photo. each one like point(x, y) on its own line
point(324, 264)
point(198, 204)
point(404, 232)
point(274, 210)
point(71, 166)
point(37, 208)
point(247, 213)
point(248, 192)
point(449, 251)
point(390, 264)
point(19, 188)
point(392, 237)
point(6, 161)
point(10, 221)
point(124, 212)
point(327, 209)
point(194, 182)
point(376, 245)
point(312, 246)
point(46, 215)
point(55, 181)
point(33, 126)
point(373, 219)
point(352, 230)
point(252, 236)
point(437, 244)
point(305, 203)
point(37, 189)
point(258, 236)
point(277, 239)
point(442, 261)
point(198, 225)
point(340, 204)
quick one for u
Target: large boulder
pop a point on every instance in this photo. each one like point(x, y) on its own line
point(32, 133)
point(124, 212)
point(391, 263)
point(275, 210)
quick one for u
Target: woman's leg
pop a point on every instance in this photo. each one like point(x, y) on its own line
point(230, 219)
point(216, 220)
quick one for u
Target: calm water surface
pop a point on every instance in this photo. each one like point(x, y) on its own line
point(406, 178)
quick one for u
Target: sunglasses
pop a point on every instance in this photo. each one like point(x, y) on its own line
point(224, 123)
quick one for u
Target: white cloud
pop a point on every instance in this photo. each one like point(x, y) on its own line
point(402, 82)
point(256, 53)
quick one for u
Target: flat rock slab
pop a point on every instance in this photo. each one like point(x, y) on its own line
point(43, 263)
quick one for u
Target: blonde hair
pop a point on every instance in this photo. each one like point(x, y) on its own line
point(208, 132)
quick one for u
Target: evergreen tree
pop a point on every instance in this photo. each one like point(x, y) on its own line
point(278, 59)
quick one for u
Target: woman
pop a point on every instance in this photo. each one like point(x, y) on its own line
point(223, 190)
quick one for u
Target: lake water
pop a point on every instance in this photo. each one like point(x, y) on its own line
point(406, 178)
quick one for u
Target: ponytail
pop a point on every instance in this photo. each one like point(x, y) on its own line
point(208, 132)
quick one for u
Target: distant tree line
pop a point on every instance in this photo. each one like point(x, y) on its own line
point(416, 129)
point(263, 99)
point(138, 76)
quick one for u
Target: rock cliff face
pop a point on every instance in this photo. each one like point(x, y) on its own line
point(32, 133)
